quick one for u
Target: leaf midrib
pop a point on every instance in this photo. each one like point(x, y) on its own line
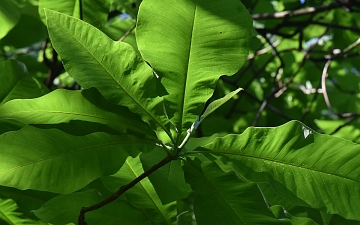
point(274, 161)
point(104, 68)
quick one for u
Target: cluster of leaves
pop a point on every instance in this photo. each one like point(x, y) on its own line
point(122, 149)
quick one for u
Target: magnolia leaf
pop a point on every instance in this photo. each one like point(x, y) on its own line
point(68, 208)
point(54, 161)
point(215, 105)
point(222, 198)
point(302, 166)
point(62, 106)
point(114, 68)
point(190, 45)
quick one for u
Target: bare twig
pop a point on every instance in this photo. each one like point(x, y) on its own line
point(326, 97)
point(349, 121)
point(299, 12)
point(127, 33)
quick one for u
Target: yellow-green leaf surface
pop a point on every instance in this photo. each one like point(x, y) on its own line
point(114, 68)
point(190, 44)
point(10, 11)
point(54, 161)
point(302, 166)
point(62, 106)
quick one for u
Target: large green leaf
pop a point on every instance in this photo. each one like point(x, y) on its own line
point(54, 161)
point(302, 166)
point(222, 198)
point(67, 208)
point(10, 11)
point(190, 44)
point(143, 194)
point(94, 12)
point(62, 106)
point(114, 68)
point(69, 7)
point(16, 83)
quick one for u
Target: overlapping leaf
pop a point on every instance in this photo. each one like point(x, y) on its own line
point(9, 15)
point(222, 198)
point(302, 166)
point(62, 106)
point(168, 181)
point(16, 83)
point(143, 194)
point(54, 161)
point(114, 68)
point(190, 44)
point(68, 208)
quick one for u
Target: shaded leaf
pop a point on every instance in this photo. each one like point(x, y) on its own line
point(168, 181)
point(302, 166)
point(222, 198)
point(16, 83)
point(143, 194)
point(10, 216)
point(62, 106)
point(68, 208)
point(54, 161)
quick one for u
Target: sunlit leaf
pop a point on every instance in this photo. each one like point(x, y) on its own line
point(114, 68)
point(193, 43)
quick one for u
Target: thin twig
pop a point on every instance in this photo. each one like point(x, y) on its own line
point(118, 193)
point(326, 97)
point(127, 33)
point(352, 119)
point(299, 12)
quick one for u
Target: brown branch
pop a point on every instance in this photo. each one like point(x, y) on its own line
point(122, 189)
point(294, 13)
point(352, 119)
point(326, 97)
point(127, 33)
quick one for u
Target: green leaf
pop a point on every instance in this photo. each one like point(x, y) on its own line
point(16, 83)
point(193, 43)
point(215, 105)
point(143, 194)
point(54, 161)
point(8, 214)
point(62, 106)
point(68, 209)
point(281, 213)
point(222, 198)
point(69, 7)
point(302, 166)
point(114, 68)
point(9, 15)
point(168, 181)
